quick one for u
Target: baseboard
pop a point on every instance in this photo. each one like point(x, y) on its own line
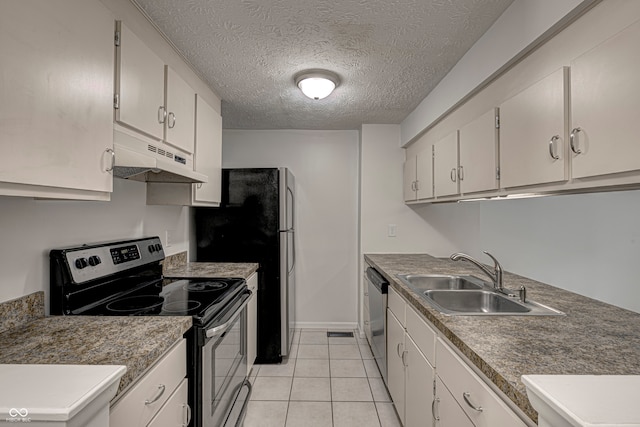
point(327, 325)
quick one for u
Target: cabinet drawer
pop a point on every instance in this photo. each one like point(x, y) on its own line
point(461, 381)
point(176, 411)
point(397, 306)
point(422, 335)
point(157, 385)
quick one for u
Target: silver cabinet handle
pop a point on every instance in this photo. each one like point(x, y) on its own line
point(417, 185)
point(461, 173)
point(572, 140)
point(404, 359)
point(162, 114)
point(171, 121)
point(452, 175)
point(113, 158)
point(413, 186)
point(188, 414)
point(199, 185)
point(161, 388)
point(398, 349)
point(433, 409)
point(466, 396)
point(552, 142)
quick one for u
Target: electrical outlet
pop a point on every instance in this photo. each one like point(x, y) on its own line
point(391, 230)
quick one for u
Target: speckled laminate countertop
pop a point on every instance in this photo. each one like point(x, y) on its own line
point(137, 342)
point(210, 270)
point(593, 338)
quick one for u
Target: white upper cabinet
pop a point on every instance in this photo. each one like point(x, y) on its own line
point(150, 96)
point(409, 180)
point(208, 157)
point(181, 112)
point(478, 154)
point(605, 102)
point(140, 86)
point(533, 133)
point(418, 176)
point(445, 166)
point(56, 115)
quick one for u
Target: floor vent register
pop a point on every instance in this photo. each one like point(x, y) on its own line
point(333, 334)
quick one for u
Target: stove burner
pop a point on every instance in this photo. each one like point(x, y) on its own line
point(205, 286)
point(135, 304)
point(181, 306)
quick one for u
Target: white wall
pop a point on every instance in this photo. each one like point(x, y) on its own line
point(587, 243)
point(30, 228)
point(520, 25)
point(325, 164)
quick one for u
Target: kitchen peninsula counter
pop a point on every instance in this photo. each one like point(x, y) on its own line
point(210, 270)
point(135, 341)
point(593, 338)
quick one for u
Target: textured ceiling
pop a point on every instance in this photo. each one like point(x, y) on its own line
point(389, 54)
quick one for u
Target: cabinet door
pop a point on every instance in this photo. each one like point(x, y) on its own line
point(605, 103)
point(181, 109)
point(395, 363)
point(176, 412)
point(532, 133)
point(208, 155)
point(445, 165)
point(478, 154)
point(140, 80)
point(56, 88)
point(252, 322)
point(448, 412)
point(419, 387)
point(424, 174)
point(409, 181)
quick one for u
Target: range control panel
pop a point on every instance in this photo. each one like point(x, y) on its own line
point(91, 262)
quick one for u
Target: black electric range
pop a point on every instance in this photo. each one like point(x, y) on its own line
point(124, 278)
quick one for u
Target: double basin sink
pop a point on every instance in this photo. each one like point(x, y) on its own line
point(470, 296)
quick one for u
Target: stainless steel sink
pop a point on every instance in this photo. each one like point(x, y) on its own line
point(470, 296)
point(426, 282)
point(483, 302)
point(474, 302)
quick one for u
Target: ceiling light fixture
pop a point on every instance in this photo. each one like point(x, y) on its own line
point(317, 84)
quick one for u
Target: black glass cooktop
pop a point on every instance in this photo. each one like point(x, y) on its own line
point(200, 298)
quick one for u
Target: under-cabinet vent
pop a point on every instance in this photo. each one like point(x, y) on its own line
point(160, 151)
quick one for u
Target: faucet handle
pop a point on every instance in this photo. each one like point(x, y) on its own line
point(497, 268)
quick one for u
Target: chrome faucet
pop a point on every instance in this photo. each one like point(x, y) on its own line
point(496, 276)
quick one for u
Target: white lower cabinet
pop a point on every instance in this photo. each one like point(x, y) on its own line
point(446, 394)
point(176, 412)
point(395, 364)
point(419, 375)
point(447, 412)
point(252, 322)
point(155, 393)
point(481, 405)
point(410, 375)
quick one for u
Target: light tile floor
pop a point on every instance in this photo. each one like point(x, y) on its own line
point(325, 382)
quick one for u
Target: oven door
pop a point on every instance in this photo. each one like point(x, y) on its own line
point(225, 390)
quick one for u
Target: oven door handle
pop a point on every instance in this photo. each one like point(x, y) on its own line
point(220, 329)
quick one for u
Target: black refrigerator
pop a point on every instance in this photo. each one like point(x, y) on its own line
point(255, 223)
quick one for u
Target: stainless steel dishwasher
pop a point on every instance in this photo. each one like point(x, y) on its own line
point(378, 291)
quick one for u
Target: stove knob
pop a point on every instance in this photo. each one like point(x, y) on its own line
point(81, 263)
point(151, 248)
point(158, 247)
point(94, 260)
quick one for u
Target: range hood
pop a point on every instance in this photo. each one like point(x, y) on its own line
point(144, 159)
